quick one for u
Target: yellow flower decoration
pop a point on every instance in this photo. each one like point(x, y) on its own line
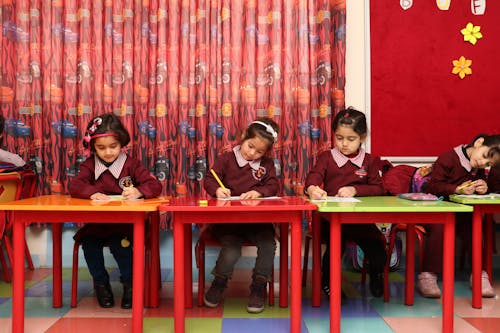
point(471, 33)
point(462, 67)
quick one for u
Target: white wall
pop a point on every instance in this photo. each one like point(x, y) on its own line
point(355, 89)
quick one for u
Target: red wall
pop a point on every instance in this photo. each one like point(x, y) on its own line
point(418, 107)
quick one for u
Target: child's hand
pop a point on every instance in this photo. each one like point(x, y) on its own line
point(131, 192)
point(315, 192)
point(347, 192)
point(467, 187)
point(223, 192)
point(480, 186)
point(250, 195)
point(99, 196)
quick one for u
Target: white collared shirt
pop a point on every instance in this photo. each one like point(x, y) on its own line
point(115, 168)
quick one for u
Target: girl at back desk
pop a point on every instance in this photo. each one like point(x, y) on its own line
point(458, 171)
point(348, 171)
point(245, 172)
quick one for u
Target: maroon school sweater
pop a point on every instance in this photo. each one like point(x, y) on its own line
point(85, 184)
point(365, 177)
point(450, 170)
point(242, 179)
point(494, 179)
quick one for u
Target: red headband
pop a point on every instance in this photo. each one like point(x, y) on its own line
point(102, 135)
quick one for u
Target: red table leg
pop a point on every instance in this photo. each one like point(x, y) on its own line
point(138, 274)
point(18, 277)
point(448, 272)
point(476, 257)
point(179, 283)
point(296, 293)
point(410, 264)
point(57, 265)
point(284, 265)
point(335, 272)
point(188, 267)
point(489, 233)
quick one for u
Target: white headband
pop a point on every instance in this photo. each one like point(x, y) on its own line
point(269, 129)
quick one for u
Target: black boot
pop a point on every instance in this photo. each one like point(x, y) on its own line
point(104, 295)
point(127, 296)
point(257, 294)
point(213, 296)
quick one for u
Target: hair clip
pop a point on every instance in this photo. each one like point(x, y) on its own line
point(95, 123)
point(269, 129)
point(346, 115)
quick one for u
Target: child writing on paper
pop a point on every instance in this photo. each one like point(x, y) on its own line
point(348, 171)
point(109, 171)
point(245, 172)
point(458, 171)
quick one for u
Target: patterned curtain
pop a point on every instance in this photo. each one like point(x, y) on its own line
point(185, 76)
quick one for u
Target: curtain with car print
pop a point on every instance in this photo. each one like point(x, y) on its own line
point(185, 76)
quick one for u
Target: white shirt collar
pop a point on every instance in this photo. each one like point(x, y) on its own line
point(341, 159)
point(464, 160)
point(115, 168)
point(242, 162)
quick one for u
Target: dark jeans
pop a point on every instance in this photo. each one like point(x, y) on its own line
point(367, 236)
point(93, 251)
point(232, 236)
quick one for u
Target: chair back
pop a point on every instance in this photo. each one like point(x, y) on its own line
point(28, 179)
point(10, 186)
point(10, 190)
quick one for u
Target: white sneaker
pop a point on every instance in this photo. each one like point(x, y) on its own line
point(486, 289)
point(427, 285)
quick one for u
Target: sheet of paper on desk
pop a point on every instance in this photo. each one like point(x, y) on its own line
point(480, 196)
point(336, 199)
point(115, 197)
point(238, 198)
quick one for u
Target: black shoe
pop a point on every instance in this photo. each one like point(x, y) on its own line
point(377, 284)
point(257, 294)
point(213, 296)
point(127, 296)
point(104, 296)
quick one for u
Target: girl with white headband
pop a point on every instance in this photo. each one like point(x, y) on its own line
point(246, 172)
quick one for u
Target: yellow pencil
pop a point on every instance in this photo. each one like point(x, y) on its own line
point(324, 194)
point(217, 178)
point(466, 184)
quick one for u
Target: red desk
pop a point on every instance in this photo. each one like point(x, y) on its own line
point(394, 210)
point(58, 209)
point(186, 211)
point(481, 206)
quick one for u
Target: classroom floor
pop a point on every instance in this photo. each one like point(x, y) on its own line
point(362, 313)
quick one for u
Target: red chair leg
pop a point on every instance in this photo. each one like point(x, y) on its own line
point(8, 248)
point(28, 256)
point(271, 289)
point(74, 275)
point(5, 268)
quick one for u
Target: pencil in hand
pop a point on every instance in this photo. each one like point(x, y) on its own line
point(217, 179)
point(323, 196)
point(465, 185)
